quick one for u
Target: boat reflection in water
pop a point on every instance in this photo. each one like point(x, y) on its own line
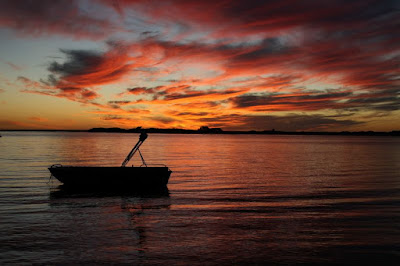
point(144, 176)
point(67, 191)
point(95, 226)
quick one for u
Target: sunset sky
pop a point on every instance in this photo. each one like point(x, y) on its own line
point(238, 65)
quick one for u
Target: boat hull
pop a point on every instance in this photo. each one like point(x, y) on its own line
point(112, 176)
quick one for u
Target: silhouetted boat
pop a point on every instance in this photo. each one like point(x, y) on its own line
point(144, 176)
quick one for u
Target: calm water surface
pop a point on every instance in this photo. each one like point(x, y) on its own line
point(230, 200)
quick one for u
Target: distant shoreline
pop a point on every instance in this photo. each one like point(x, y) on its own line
point(215, 131)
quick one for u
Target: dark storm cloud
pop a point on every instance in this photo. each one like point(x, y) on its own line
point(78, 61)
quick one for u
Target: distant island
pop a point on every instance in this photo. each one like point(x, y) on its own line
point(208, 130)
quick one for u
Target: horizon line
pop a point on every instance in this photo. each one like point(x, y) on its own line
point(132, 130)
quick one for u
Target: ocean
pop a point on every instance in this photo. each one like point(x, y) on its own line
point(231, 200)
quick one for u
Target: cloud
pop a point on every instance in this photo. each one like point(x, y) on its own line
point(115, 117)
point(49, 17)
point(346, 64)
point(335, 38)
point(299, 123)
point(30, 84)
point(83, 69)
point(90, 68)
point(384, 100)
point(82, 95)
point(162, 119)
point(203, 95)
point(139, 90)
point(38, 119)
point(190, 114)
point(181, 93)
point(119, 102)
point(310, 101)
point(198, 105)
point(12, 125)
point(303, 101)
point(294, 122)
point(238, 19)
point(13, 66)
point(130, 122)
point(267, 48)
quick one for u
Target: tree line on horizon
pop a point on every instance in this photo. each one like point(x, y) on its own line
point(208, 130)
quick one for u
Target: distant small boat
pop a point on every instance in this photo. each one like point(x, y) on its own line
point(144, 176)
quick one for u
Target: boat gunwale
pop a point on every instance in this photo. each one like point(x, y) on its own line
point(56, 166)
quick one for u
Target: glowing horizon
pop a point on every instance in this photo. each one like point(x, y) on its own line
point(235, 65)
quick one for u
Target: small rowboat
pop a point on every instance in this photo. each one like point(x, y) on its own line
point(144, 176)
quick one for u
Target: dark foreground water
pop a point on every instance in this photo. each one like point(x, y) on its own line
point(231, 200)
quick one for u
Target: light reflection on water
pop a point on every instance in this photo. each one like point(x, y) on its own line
point(231, 200)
